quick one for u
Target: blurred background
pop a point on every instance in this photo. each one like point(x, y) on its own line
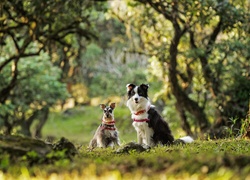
point(60, 59)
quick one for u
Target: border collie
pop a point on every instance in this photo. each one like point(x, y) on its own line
point(151, 128)
point(106, 134)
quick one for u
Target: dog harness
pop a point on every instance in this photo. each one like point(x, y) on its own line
point(108, 125)
point(139, 113)
point(110, 128)
point(141, 120)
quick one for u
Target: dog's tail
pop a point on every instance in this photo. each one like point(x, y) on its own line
point(185, 140)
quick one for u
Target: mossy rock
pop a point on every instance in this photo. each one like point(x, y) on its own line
point(18, 146)
point(65, 144)
point(132, 147)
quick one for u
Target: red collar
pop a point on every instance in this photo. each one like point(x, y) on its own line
point(141, 120)
point(109, 122)
point(141, 111)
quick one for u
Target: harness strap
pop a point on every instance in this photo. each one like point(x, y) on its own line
point(110, 128)
point(141, 120)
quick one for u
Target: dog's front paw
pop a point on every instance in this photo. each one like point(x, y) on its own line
point(145, 146)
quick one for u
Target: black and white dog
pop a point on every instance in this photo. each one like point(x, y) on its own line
point(151, 128)
point(106, 134)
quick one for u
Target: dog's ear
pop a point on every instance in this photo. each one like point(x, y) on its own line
point(130, 87)
point(102, 106)
point(145, 86)
point(112, 105)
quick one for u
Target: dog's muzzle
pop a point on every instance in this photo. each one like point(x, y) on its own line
point(136, 100)
point(107, 115)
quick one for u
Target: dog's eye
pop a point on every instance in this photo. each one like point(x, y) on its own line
point(140, 93)
point(110, 111)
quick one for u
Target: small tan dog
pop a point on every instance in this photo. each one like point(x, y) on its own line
point(106, 134)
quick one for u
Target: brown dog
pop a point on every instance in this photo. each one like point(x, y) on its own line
point(106, 134)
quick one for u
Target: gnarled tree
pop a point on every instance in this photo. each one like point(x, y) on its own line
point(203, 51)
point(53, 30)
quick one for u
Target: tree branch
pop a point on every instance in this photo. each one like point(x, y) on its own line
point(213, 37)
point(211, 80)
point(159, 7)
point(6, 91)
point(20, 56)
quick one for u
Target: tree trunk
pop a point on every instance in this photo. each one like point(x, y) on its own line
point(8, 126)
point(182, 99)
point(44, 113)
point(25, 129)
point(26, 124)
point(185, 125)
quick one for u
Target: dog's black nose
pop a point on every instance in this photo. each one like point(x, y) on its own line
point(136, 100)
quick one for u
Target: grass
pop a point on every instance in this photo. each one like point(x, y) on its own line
point(201, 159)
point(220, 159)
point(79, 124)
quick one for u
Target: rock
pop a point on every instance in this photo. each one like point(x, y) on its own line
point(64, 144)
point(178, 142)
point(19, 146)
point(34, 149)
point(132, 146)
point(218, 133)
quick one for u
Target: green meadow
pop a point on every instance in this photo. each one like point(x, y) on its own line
point(203, 159)
point(222, 160)
point(79, 124)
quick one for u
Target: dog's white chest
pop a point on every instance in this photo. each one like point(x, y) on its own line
point(145, 133)
point(141, 126)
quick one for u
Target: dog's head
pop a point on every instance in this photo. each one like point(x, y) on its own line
point(138, 97)
point(108, 111)
point(137, 93)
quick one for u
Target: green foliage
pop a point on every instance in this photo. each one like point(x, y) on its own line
point(4, 162)
point(38, 86)
point(37, 38)
point(211, 57)
point(116, 69)
point(107, 62)
point(31, 156)
point(39, 82)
